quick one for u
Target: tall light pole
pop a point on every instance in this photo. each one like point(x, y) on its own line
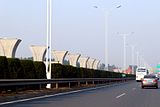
point(47, 36)
point(132, 48)
point(107, 12)
point(137, 58)
point(124, 49)
point(48, 41)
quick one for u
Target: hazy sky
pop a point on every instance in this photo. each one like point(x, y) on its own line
point(79, 28)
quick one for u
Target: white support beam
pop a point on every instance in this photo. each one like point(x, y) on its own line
point(8, 47)
point(90, 63)
point(83, 61)
point(96, 64)
point(73, 59)
point(59, 56)
point(38, 52)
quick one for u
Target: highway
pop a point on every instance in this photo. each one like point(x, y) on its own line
point(124, 95)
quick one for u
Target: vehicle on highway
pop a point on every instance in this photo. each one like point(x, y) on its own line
point(149, 81)
point(141, 72)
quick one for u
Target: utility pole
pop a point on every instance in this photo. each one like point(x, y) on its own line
point(133, 48)
point(137, 54)
point(107, 13)
point(124, 49)
point(49, 39)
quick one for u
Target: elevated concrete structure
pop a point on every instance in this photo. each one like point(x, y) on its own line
point(8, 47)
point(73, 59)
point(83, 61)
point(90, 63)
point(96, 64)
point(38, 52)
point(59, 56)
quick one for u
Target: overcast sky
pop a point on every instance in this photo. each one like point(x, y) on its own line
point(79, 28)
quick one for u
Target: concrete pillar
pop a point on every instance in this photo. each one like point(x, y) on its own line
point(90, 63)
point(38, 52)
point(59, 56)
point(96, 64)
point(8, 47)
point(83, 61)
point(73, 59)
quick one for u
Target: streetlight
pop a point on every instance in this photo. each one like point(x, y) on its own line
point(107, 13)
point(48, 41)
point(133, 48)
point(132, 57)
point(137, 55)
point(124, 48)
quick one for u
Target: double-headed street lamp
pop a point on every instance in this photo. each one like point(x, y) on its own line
point(107, 12)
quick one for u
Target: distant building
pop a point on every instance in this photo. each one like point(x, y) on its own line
point(133, 67)
point(102, 66)
point(112, 67)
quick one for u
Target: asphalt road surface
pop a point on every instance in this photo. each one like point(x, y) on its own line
point(125, 95)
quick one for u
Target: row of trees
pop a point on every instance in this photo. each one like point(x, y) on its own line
point(13, 68)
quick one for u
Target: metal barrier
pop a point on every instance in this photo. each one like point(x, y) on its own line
point(22, 82)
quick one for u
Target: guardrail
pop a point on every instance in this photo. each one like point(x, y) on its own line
point(23, 82)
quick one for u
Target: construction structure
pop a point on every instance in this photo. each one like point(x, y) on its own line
point(59, 56)
point(83, 61)
point(90, 63)
point(8, 47)
point(38, 52)
point(96, 64)
point(73, 59)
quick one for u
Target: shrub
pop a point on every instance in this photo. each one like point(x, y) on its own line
point(4, 72)
point(15, 69)
point(85, 73)
point(40, 70)
point(69, 71)
point(29, 69)
point(57, 71)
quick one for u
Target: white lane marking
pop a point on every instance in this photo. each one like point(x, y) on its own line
point(121, 95)
point(58, 94)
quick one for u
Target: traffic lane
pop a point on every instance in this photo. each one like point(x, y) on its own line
point(148, 97)
point(101, 97)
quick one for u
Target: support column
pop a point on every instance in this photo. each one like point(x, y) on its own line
point(90, 63)
point(59, 56)
point(8, 47)
point(96, 64)
point(83, 61)
point(73, 59)
point(38, 52)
